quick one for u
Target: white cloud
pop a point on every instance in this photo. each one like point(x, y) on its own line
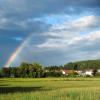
point(52, 43)
point(93, 35)
point(59, 36)
point(3, 22)
point(61, 51)
point(80, 24)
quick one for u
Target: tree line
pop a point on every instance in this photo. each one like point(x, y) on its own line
point(35, 70)
point(83, 65)
point(26, 70)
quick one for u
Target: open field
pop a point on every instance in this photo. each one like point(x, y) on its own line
point(50, 89)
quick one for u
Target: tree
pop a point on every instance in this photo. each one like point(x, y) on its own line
point(0, 73)
point(37, 66)
point(69, 66)
point(6, 72)
point(94, 72)
point(24, 68)
point(75, 66)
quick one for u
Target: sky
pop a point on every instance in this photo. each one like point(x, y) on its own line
point(50, 32)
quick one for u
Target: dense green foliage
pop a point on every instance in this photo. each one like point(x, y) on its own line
point(81, 65)
point(24, 70)
point(50, 89)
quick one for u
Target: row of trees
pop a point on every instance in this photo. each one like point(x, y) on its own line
point(26, 70)
point(36, 70)
point(83, 65)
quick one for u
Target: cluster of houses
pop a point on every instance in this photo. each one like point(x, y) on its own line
point(79, 72)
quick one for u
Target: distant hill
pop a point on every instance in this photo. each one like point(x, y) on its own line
point(87, 64)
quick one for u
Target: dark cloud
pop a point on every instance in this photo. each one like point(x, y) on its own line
point(41, 7)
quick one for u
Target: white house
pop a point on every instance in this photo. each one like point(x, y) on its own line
point(98, 70)
point(89, 72)
point(63, 72)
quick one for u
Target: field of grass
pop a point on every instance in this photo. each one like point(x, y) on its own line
point(50, 89)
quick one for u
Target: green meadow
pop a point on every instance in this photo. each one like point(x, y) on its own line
point(50, 89)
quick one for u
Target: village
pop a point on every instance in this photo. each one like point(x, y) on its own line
point(73, 72)
point(84, 73)
point(88, 68)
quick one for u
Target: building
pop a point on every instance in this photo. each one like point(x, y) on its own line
point(67, 72)
point(89, 72)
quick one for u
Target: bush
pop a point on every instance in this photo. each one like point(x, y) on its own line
point(53, 74)
point(97, 74)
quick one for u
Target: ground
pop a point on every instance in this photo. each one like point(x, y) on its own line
point(50, 89)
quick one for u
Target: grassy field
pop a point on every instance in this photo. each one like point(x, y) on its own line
point(50, 89)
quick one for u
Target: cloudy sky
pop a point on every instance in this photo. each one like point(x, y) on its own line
point(58, 31)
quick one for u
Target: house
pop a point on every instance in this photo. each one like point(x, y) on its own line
point(98, 70)
point(79, 72)
point(89, 72)
point(67, 72)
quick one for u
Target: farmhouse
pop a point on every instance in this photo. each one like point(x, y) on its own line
point(89, 72)
point(67, 72)
point(85, 73)
point(98, 70)
point(78, 72)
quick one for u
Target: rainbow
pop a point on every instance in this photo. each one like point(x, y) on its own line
point(16, 52)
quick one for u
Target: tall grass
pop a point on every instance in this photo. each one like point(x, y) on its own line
point(50, 89)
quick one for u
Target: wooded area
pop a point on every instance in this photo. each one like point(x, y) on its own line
point(36, 70)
